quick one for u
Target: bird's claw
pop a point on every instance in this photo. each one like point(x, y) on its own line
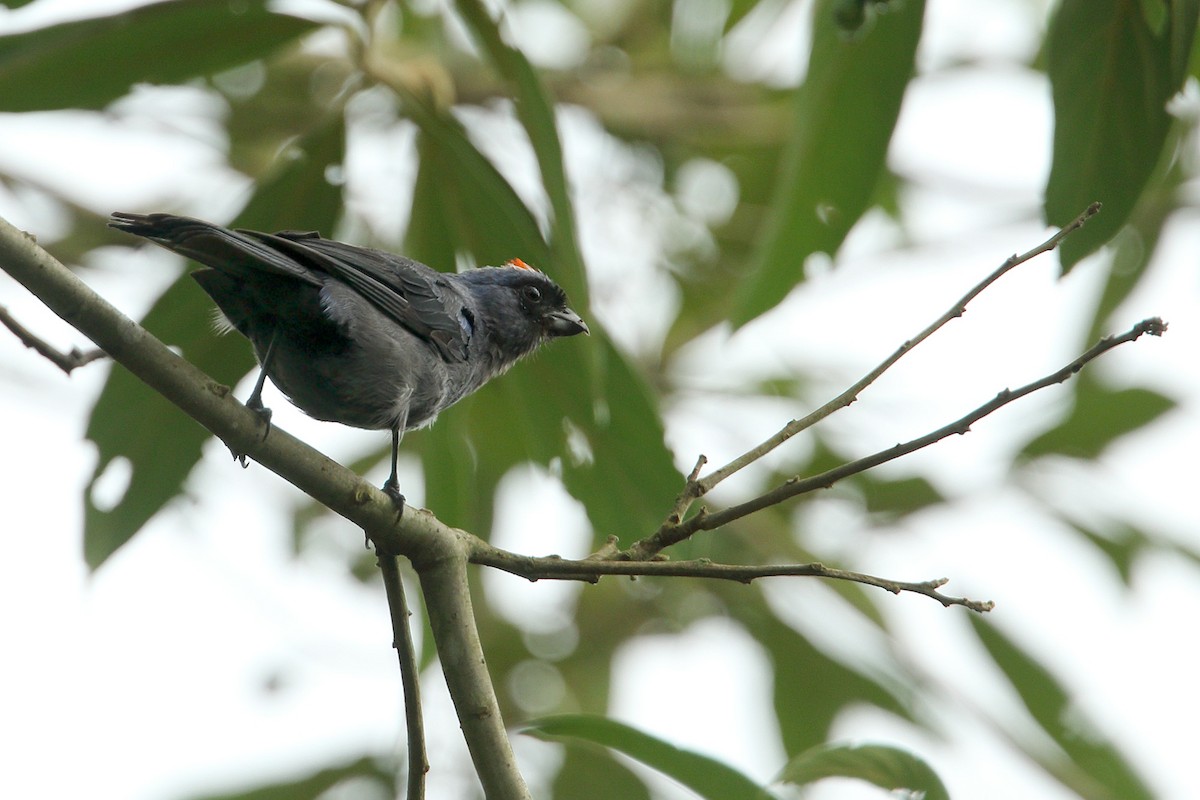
point(264, 414)
point(392, 489)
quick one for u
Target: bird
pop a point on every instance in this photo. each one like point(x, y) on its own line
point(361, 336)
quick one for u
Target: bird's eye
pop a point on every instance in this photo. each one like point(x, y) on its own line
point(532, 293)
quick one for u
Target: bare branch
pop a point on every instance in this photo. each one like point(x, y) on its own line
point(668, 535)
point(418, 763)
point(64, 361)
point(694, 488)
point(452, 620)
point(590, 570)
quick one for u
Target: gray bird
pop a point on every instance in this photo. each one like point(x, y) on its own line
point(360, 336)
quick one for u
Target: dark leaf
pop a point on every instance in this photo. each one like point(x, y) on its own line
point(1100, 417)
point(845, 113)
point(91, 62)
point(705, 776)
point(1094, 768)
point(886, 767)
point(586, 768)
point(596, 400)
point(535, 109)
point(811, 688)
point(898, 497)
point(1121, 547)
point(1111, 77)
point(317, 784)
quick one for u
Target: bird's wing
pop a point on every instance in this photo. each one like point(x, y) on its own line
point(236, 253)
point(415, 296)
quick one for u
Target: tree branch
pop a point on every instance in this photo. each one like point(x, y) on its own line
point(64, 361)
point(696, 487)
point(669, 535)
point(452, 619)
point(418, 763)
point(591, 570)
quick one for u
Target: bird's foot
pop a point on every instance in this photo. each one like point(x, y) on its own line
point(392, 489)
point(264, 414)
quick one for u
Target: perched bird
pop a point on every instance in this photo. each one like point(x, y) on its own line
point(360, 336)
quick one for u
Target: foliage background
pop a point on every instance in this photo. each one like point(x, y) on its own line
point(239, 638)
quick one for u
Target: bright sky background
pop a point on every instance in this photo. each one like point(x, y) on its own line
point(145, 681)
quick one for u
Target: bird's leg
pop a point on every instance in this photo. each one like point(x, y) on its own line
point(254, 402)
point(392, 486)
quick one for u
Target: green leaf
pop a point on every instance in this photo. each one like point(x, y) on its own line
point(886, 767)
point(845, 113)
point(130, 421)
point(1096, 770)
point(482, 213)
point(898, 497)
point(1121, 546)
point(318, 784)
point(535, 109)
point(1111, 77)
point(585, 768)
point(705, 776)
point(1100, 417)
point(582, 388)
point(1184, 15)
point(91, 62)
point(811, 689)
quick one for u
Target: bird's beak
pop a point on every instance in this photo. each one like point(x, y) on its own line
point(565, 323)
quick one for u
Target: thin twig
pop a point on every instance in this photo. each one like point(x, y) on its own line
point(668, 536)
point(694, 488)
point(554, 568)
point(64, 361)
point(418, 763)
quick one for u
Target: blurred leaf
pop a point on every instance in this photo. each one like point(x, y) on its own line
point(886, 767)
point(534, 412)
point(738, 9)
point(1100, 417)
point(535, 109)
point(1096, 770)
point(845, 113)
point(1111, 77)
point(1181, 31)
point(91, 62)
point(586, 768)
point(705, 776)
point(1136, 244)
point(271, 102)
point(1121, 547)
point(811, 688)
point(631, 478)
point(539, 412)
point(482, 213)
point(898, 497)
point(132, 422)
point(315, 785)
